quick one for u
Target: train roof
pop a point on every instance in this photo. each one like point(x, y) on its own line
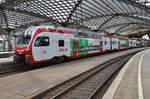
point(73, 31)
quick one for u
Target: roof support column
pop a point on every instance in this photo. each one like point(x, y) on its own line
point(7, 34)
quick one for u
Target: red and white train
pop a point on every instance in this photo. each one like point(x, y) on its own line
point(43, 44)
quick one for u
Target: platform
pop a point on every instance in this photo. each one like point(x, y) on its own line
point(133, 81)
point(28, 84)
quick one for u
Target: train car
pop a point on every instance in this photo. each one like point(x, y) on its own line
point(43, 44)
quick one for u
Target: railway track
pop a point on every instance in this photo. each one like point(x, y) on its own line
point(89, 84)
point(12, 68)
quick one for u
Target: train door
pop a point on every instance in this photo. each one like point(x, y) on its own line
point(67, 47)
point(111, 43)
point(54, 47)
point(61, 45)
point(101, 46)
point(75, 47)
point(119, 46)
point(37, 48)
point(40, 48)
point(104, 44)
point(45, 48)
point(108, 43)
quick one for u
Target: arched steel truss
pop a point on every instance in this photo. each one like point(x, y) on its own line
point(114, 16)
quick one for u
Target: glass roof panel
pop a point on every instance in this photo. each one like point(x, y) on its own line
point(94, 14)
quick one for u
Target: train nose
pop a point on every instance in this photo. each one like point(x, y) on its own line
point(19, 55)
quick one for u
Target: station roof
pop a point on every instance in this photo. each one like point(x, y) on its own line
point(114, 16)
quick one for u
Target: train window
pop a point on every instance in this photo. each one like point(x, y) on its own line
point(105, 42)
point(61, 43)
point(24, 39)
point(101, 43)
point(114, 42)
point(42, 41)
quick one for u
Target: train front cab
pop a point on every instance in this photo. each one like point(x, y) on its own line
point(22, 45)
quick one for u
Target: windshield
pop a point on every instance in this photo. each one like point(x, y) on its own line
point(24, 39)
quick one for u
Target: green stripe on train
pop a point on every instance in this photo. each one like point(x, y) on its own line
point(82, 46)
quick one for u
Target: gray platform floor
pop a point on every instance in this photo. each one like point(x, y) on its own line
point(4, 59)
point(133, 81)
point(28, 84)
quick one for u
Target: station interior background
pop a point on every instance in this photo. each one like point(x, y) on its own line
point(126, 17)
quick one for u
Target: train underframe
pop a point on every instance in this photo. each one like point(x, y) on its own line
point(19, 58)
